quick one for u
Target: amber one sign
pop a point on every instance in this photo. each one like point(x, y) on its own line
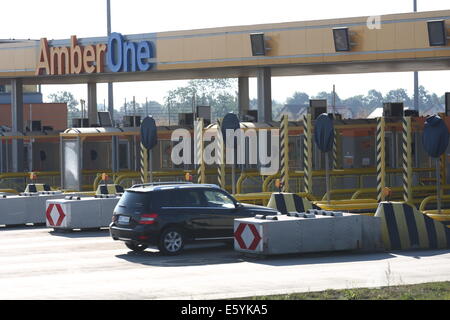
point(75, 59)
point(121, 56)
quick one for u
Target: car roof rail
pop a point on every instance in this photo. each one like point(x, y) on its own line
point(160, 183)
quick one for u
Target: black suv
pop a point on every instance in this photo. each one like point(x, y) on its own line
point(168, 215)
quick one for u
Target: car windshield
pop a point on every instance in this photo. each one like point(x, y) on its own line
point(218, 199)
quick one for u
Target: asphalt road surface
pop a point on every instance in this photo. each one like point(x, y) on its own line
point(36, 263)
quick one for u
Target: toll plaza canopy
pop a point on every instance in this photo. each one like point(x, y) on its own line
point(400, 42)
point(388, 43)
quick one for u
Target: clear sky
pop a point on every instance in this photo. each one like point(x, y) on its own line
point(57, 19)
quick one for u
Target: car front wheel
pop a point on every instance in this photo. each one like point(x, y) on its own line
point(171, 241)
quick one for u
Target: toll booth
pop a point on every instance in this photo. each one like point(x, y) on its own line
point(41, 154)
point(96, 149)
point(354, 156)
point(40, 148)
point(112, 150)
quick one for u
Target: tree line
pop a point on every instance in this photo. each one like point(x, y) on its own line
point(222, 96)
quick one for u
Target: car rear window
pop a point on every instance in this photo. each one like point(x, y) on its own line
point(135, 202)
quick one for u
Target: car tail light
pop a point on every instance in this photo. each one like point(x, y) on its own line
point(148, 218)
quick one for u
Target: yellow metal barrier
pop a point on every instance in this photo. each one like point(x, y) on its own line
point(9, 175)
point(113, 175)
point(359, 172)
point(4, 177)
point(349, 201)
point(14, 191)
point(156, 174)
point(120, 176)
point(53, 174)
point(423, 204)
point(365, 208)
point(262, 198)
point(341, 192)
point(242, 177)
point(269, 179)
point(418, 191)
point(259, 198)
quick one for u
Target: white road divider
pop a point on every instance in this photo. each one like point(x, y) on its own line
point(75, 212)
point(28, 207)
point(317, 231)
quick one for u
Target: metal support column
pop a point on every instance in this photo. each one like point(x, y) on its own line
point(264, 94)
point(416, 74)
point(307, 153)
point(243, 96)
point(284, 153)
point(416, 91)
point(381, 160)
point(115, 139)
point(17, 125)
point(92, 103)
point(407, 161)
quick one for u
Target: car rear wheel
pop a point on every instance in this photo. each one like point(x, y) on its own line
point(171, 241)
point(137, 247)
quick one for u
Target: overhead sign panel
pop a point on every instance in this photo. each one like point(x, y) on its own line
point(120, 56)
point(128, 56)
point(75, 59)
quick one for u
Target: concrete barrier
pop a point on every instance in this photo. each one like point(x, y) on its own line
point(288, 202)
point(80, 212)
point(283, 234)
point(404, 227)
point(28, 207)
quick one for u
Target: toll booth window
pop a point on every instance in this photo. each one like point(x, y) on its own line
point(294, 152)
point(165, 152)
point(251, 160)
point(166, 156)
point(123, 156)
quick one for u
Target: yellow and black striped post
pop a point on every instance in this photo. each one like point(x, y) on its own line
point(407, 159)
point(199, 151)
point(284, 153)
point(221, 155)
point(380, 158)
point(336, 150)
point(307, 152)
point(144, 164)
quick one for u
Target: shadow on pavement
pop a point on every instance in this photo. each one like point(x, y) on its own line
point(84, 233)
point(195, 256)
point(320, 258)
point(23, 226)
